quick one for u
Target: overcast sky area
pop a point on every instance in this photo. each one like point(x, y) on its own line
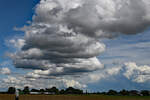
point(94, 45)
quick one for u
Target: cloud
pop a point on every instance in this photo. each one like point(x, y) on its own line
point(70, 69)
point(22, 81)
point(5, 71)
point(127, 48)
point(90, 16)
point(73, 83)
point(17, 43)
point(106, 73)
point(64, 35)
point(129, 70)
point(41, 79)
point(139, 74)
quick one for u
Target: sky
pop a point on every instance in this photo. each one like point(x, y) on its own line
point(13, 14)
point(95, 45)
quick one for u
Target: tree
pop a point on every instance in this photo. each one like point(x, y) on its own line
point(112, 92)
point(11, 90)
point(42, 91)
point(72, 90)
point(62, 91)
point(52, 90)
point(145, 93)
point(104, 93)
point(26, 90)
point(20, 91)
point(124, 92)
point(134, 92)
point(35, 90)
point(55, 90)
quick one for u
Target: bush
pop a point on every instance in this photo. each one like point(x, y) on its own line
point(145, 93)
point(11, 90)
point(124, 92)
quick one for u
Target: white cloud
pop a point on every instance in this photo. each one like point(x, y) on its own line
point(73, 83)
point(139, 74)
point(21, 81)
point(5, 71)
point(104, 74)
point(130, 70)
point(17, 43)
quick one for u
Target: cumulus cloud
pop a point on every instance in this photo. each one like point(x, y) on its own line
point(104, 74)
point(64, 36)
point(41, 79)
point(130, 70)
point(17, 43)
point(5, 71)
point(95, 17)
point(73, 83)
point(139, 74)
point(22, 81)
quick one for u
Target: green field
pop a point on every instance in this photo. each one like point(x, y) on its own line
point(80, 97)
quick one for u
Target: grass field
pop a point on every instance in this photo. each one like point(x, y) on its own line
point(7, 97)
point(80, 97)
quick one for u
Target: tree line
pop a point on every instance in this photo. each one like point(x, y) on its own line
point(126, 92)
point(53, 90)
point(71, 90)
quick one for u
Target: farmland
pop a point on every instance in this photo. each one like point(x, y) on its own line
point(7, 97)
point(80, 97)
point(72, 97)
